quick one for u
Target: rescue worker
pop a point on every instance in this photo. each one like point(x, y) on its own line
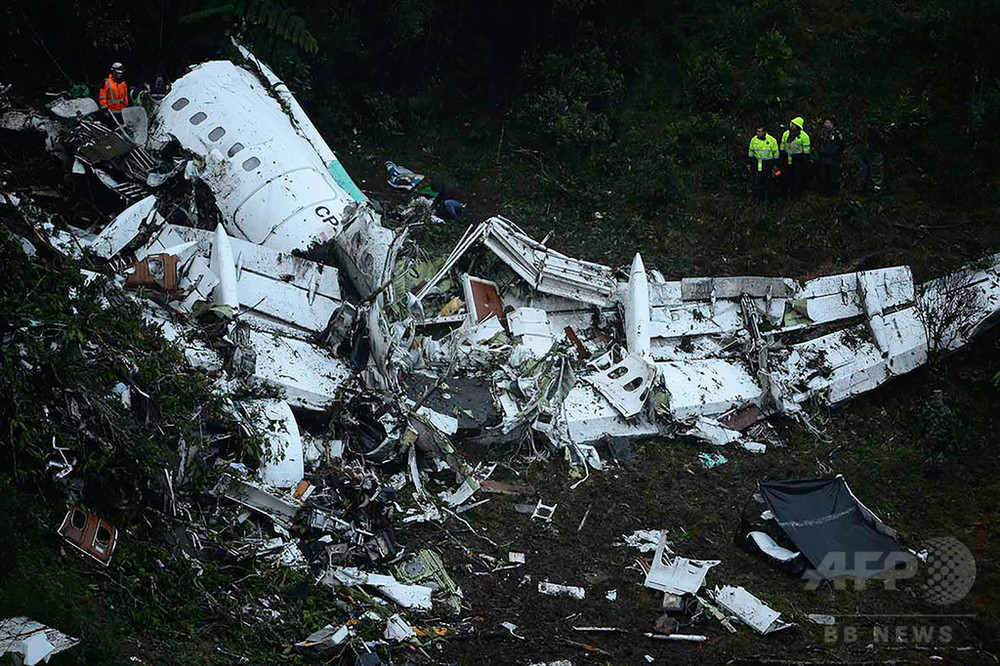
point(114, 92)
point(831, 147)
point(151, 95)
point(795, 146)
point(877, 151)
point(763, 154)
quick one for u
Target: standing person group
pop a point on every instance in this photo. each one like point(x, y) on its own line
point(786, 163)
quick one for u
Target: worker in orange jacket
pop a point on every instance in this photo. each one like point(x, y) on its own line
point(114, 91)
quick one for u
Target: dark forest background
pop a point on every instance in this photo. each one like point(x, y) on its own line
point(652, 101)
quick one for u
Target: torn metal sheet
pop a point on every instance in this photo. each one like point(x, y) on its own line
point(835, 297)
point(124, 228)
point(283, 465)
point(713, 288)
point(70, 109)
point(846, 363)
point(396, 629)
point(956, 307)
point(586, 416)
point(407, 596)
point(257, 498)
point(327, 637)
point(33, 641)
point(545, 269)
point(707, 387)
point(751, 610)
point(712, 431)
point(310, 376)
point(366, 250)
point(680, 576)
point(276, 286)
point(625, 385)
point(530, 327)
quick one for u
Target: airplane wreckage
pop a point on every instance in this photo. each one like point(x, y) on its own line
point(503, 340)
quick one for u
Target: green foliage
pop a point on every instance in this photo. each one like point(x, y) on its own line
point(653, 174)
point(772, 81)
point(569, 101)
point(63, 355)
point(944, 433)
point(709, 80)
point(277, 20)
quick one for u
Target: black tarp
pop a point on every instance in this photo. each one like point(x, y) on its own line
point(832, 529)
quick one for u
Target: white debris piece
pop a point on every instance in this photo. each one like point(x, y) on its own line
point(512, 628)
point(254, 497)
point(327, 637)
point(224, 266)
point(515, 558)
point(645, 540)
point(309, 375)
point(461, 494)
point(637, 327)
point(556, 590)
point(396, 629)
point(33, 641)
point(530, 326)
point(754, 447)
point(69, 108)
point(707, 387)
point(751, 610)
point(817, 618)
point(681, 576)
point(625, 385)
point(284, 466)
point(771, 548)
point(407, 596)
point(712, 431)
point(124, 228)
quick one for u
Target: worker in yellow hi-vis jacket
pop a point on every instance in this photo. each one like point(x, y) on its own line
point(763, 154)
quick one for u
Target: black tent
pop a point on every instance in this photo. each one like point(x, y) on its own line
point(832, 528)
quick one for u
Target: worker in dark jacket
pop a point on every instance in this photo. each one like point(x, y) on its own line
point(831, 147)
point(876, 152)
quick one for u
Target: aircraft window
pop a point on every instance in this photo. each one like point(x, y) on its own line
point(251, 164)
point(216, 134)
point(198, 118)
point(235, 148)
point(180, 104)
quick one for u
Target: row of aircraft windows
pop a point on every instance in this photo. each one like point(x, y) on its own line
point(249, 164)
